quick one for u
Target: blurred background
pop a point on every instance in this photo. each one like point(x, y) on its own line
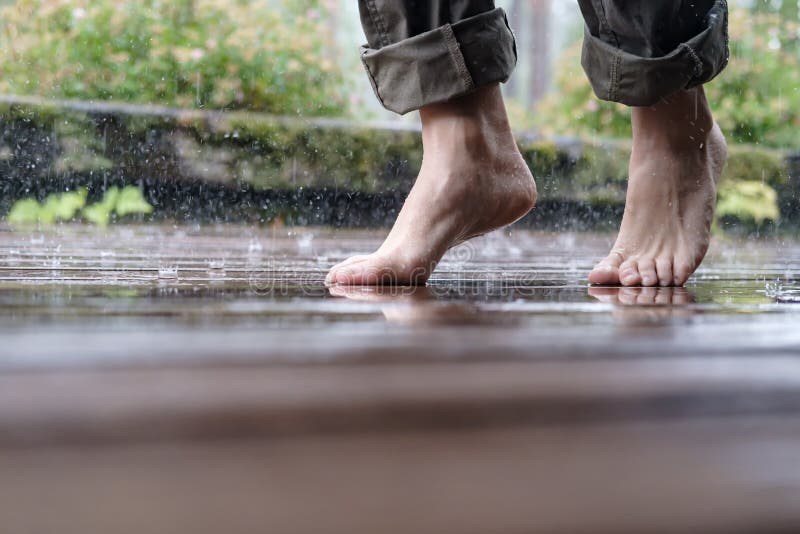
point(265, 114)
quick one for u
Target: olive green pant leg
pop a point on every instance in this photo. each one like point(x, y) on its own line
point(639, 51)
point(426, 52)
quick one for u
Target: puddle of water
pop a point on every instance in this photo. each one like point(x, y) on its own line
point(77, 294)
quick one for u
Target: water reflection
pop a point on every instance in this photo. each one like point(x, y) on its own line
point(643, 296)
point(416, 306)
point(433, 306)
point(648, 306)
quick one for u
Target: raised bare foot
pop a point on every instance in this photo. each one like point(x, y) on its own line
point(473, 180)
point(678, 156)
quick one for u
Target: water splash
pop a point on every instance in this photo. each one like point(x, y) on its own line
point(216, 268)
point(168, 272)
point(783, 290)
point(305, 243)
point(254, 247)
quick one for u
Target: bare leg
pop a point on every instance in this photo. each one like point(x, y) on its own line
point(678, 155)
point(473, 180)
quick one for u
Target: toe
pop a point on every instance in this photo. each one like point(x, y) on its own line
point(362, 273)
point(682, 271)
point(330, 278)
point(629, 274)
point(379, 270)
point(664, 270)
point(604, 274)
point(647, 269)
point(607, 271)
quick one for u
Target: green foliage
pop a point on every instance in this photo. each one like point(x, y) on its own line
point(24, 212)
point(271, 56)
point(130, 201)
point(269, 153)
point(100, 212)
point(754, 163)
point(592, 172)
point(750, 186)
point(67, 206)
point(287, 155)
point(56, 207)
point(748, 201)
point(573, 107)
point(756, 100)
point(542, 157)
point(63, 207)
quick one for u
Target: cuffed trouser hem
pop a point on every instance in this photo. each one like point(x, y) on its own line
point(443, 63)
point(634, 80)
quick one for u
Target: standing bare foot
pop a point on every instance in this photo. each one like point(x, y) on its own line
point(473, 180)
point(678, 156)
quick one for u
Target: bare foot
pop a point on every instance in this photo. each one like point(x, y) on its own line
point(678, 156)
point(473, 180)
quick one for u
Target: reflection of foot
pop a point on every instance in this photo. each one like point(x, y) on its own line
point(413, 306)
point(383, 294)
point(678, 155)
point(642, 296)
point(646, 306)
point(473, 180)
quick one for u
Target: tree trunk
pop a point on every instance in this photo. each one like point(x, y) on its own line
point(516, 14)
point(539, 51)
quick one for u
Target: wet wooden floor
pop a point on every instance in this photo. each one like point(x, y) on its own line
point(172, 380)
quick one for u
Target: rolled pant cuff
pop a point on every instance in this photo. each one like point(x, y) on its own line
point(442, 64)
point(633, 80)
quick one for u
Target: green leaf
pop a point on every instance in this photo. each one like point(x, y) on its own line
point(131, 202)
point(100, 212)
point(97, 213)
point(23, 212)
point(64, 206)
point(110, 198)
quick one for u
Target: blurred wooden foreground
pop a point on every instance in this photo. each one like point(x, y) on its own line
point(615, 446)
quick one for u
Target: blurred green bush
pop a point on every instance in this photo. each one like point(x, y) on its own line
point(68, 206)
point(267, 55)
point(251, 151)
point(756, 100)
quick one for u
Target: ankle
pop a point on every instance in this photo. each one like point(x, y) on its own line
point(476, 123)
point(681, 121)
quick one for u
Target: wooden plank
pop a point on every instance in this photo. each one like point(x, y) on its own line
point(733, 475)
point(177, 404)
